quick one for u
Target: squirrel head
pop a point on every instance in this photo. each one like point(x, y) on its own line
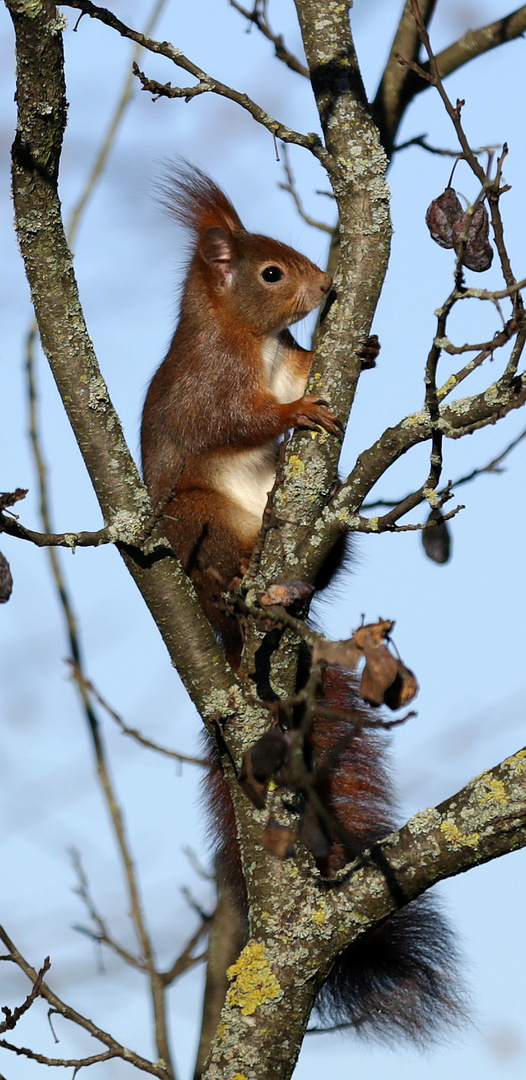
point(253, 282)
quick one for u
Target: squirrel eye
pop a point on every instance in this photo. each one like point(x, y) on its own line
point(272, 274)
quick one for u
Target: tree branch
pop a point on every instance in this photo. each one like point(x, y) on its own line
point(205, 83)
point(394, 93)
point(258, 17)
point(356, 166)
point(484, 820)
point(398, 87)
point(65, 340)
point(456, 420)
point(117, 1049)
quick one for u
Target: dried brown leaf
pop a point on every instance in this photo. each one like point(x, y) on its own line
point(372, 634)
point(9, 498)
point(379, 674)
point(402, 690)
point(342, 653)
point(278, 839)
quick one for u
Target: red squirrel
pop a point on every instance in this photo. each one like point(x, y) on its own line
point(232, 383)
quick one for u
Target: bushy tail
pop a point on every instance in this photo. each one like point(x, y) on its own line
point(399, 980)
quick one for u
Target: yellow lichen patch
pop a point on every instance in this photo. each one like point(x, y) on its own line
point(448, 386)
point(253, 981)
point(320, 915)
point(413, 420)
point(495, 789)
point(238, 1076)
point(456, 838)
point(296, 465)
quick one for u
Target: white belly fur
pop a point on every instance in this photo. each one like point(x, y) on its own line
point(247, 476)
point(285, 384)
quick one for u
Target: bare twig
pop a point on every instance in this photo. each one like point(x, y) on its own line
point(491, 467)
point(101, 934)
point(394, 91)
point(475, 43)
point(258, 16)
point(399, 86)
point(136, 908)
point(491, 188)
point(290, 186)
point(132, 732)
point(185, 960)
point(205, 83)
point(74, 1063)
point(108, 141)
point(73, 633)
point(13, 1016)
point(159, 1069)
point(72, 540)
point(441, 151)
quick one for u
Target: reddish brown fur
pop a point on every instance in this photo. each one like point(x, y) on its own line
point(231, 384)
point(233, 381)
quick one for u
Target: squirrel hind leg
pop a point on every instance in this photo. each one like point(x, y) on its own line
point(199, 526)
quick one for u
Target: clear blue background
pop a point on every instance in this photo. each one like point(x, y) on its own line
point(459, 627)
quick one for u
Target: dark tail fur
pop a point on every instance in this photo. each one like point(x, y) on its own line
point(399, 980)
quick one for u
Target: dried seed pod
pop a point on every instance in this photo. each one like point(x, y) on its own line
point(6, 581)
point(478, 253)
point(442, 215)
point(437, 540)
point(402, 690)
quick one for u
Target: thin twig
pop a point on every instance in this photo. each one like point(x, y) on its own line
point(108, 141)
point(101, 935)
point(13, 1016)
point(258, 17)
point(157, 989)
point(73, 1063)
point(132, 732)
point(441, 151)
point(290, 186)
point(159, 1069)
point(205, 83)
point(491, 188)
point(185, 960)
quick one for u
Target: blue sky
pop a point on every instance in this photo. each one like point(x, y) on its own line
point(459, 627)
